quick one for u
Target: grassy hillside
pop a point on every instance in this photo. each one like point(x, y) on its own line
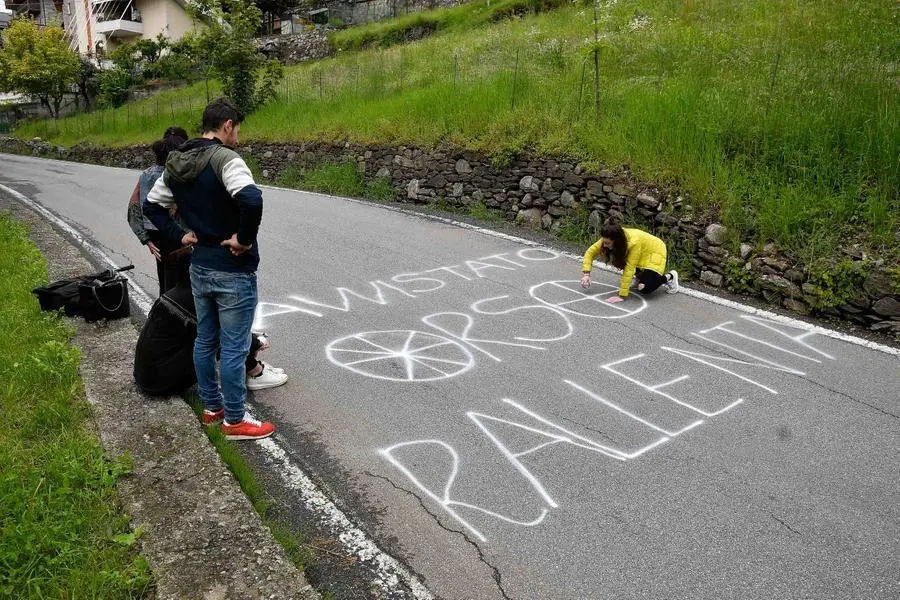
point(782, 114)
point(61, 531)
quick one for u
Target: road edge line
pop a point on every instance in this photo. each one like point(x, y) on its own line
point(387, 568)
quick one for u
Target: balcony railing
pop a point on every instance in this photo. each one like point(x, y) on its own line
point(117, 19)
point(24, 6)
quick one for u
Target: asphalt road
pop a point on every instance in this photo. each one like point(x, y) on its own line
point(516, 437)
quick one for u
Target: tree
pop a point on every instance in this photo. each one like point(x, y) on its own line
point(151, 50)
point(88, 82)
point(38, 62)
point(229, 46)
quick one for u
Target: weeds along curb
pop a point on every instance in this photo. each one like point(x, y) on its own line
point(180, 493)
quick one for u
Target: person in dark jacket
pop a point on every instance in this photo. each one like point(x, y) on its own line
point(172, 259)
point(163, 357)
point(217, 199)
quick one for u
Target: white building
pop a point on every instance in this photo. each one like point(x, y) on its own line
point(6, 15)
point(104, 24)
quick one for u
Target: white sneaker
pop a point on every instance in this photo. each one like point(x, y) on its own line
point(672, 285)
point(265, 365)
point(267, 379)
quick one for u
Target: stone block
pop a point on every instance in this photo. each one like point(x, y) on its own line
point(556, 211)
point(887, 307)
point(594, 189)
point(529, 184)
point(546, 221)
point(877, 283)
point(573, 180)
point(712, 278)
point(716, 233)
point(412, 189)
point(648, 199)
point(776, 263)
point(779, 284)
point(795, 305)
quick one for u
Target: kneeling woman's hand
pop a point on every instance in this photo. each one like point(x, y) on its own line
point(585, 280)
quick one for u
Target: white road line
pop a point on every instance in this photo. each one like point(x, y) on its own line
point(389, 573)
point(782, 319)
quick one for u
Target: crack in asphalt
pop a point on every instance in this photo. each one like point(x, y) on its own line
point(849, 397)
point(574, 422)
point(783, 523)
point(495, 572)
point(725, 352)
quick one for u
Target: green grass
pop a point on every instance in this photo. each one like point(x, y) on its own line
point(61, 531)
point(390, 32)
point(779, 116)
point(479, 211)
point(577, 229)
point(293, 545)
point(339, 179)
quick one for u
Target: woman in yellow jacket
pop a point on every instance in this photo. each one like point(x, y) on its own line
point(640, 255)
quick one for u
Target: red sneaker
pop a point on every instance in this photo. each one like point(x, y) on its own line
point(248, 429)
point(211, 417)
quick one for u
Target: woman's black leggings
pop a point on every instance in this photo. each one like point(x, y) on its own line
point(251, 361)
point(650, 279)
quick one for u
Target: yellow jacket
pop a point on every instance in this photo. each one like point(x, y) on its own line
point(645, 251)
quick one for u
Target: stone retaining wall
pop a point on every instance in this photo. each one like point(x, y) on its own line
point(297, 47)
point(546, 193)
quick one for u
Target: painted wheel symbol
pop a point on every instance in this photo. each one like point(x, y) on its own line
point(400, 355)
point(568, 296)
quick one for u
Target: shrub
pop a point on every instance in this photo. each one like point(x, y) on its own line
point(738, 278)
point(114, 84)
point(837, 283)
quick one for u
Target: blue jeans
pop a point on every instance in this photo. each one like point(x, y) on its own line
point(225, 304)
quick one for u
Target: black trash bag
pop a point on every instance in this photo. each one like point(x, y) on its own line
point(164, 355)
point(96, 296)
point(104, 299)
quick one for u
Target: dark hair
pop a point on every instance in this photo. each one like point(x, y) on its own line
point(173, 137)
point(615, 256)
point(218, 112)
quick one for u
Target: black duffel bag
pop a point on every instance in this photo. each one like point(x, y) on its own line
point(102, 295)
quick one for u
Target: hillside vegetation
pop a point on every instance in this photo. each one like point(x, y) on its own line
point(780, 115)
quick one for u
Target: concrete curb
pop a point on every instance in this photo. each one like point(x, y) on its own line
point(202, 537)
